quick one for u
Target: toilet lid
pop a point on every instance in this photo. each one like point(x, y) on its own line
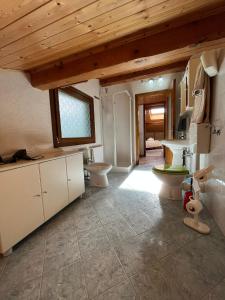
point(168, 169)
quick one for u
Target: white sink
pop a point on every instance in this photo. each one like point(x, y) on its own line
point(177, 147)
point(177, 144)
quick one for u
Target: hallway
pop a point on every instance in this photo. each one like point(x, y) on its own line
point(153, 157)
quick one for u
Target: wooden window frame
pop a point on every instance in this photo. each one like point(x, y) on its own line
point(58, 140)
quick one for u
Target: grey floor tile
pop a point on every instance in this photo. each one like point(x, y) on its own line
point(87, 222)
point(119, 230)
point(181, 268)
point(139, 221)
point(208, 255)
point(26, 261)
point(119, 292)
point(85, 217)
point(92, 242)
point(150, 284)
point(66, 283)
point(29, 290)
point(3, 261)
point(81, 208)
point(61, 222)
point(218, 292)
point(61, 249)
point(138, 253)
point(107, 212)
point(164, 213)
point(174, 232)
point(102, 271)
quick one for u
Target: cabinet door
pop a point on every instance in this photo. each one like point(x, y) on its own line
point(75, 175)
point(54, 186)
point(21, 208)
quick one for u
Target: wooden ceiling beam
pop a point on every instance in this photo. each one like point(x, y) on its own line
point(189, 36)
point(97, 24)
point(175, 67)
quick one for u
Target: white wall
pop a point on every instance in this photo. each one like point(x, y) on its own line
point(25, 118)
point(215, 187)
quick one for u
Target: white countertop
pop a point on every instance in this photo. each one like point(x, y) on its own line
point(45, 157)
point(177, 144)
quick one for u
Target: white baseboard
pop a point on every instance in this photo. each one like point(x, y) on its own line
point(118, 169)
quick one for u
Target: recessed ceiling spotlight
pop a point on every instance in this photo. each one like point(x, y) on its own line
point(160, 79)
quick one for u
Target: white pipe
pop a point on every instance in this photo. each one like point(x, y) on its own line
point(114, 125)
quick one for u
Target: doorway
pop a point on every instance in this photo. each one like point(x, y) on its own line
point(154, 131)
point(154, 122)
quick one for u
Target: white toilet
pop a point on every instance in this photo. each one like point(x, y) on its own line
point(97, 168)
point(172, 176)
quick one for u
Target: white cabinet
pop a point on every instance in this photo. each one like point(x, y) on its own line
point(54, 186)
point(32, 193)
point(75, 176)
point(21, 208)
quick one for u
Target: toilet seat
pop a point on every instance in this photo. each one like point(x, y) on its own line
point(172, 170)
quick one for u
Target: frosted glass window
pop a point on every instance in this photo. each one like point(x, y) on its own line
point(73, 120)
point(74, 116)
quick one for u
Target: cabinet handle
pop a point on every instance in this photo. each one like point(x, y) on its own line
point(38, 195)
point(45, 192)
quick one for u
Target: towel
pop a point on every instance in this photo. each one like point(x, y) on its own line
point(201, 92)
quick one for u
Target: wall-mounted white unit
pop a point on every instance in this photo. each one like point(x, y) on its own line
point(200, 136)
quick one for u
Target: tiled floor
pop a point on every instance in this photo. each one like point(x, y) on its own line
point(152, 156)
point(118, 243)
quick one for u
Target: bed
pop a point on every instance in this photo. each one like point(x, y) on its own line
point(150, 144)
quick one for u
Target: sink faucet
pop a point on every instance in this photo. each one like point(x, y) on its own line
point(186, 153)
point(181, 135)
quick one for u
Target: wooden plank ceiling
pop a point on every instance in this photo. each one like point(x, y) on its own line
point(39, 35)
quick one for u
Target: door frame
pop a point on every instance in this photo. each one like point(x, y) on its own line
point(159, 104)
point(151, 98)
